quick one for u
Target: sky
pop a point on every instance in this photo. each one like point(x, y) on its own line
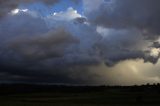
point(82, 42)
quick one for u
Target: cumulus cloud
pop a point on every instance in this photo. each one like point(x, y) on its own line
point(49, 47)
point(143, 14)
point(68, 47)
point(70, 14)
point(8, 5)
point(129, 27)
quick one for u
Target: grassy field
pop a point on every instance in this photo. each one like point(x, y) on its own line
point(89, 96)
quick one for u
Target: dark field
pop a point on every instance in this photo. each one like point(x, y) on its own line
point(40, 95)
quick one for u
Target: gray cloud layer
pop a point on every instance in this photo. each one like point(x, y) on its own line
point(7, 5)
point(64, 50)
point(141, 14)
point(128, 22)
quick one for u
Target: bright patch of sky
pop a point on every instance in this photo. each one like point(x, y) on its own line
point(16, 11)
point(63, 5)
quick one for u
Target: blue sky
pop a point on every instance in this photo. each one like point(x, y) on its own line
point(63, 5)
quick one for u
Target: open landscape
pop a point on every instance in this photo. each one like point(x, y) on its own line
point(60, 95)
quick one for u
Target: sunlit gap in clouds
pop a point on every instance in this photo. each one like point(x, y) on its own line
point(16, 11)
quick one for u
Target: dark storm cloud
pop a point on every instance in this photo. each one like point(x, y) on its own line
point(7, 5)
point(156, 45)
point(63, 75)
point(49, 45)
point(62, 47)
point(124, 24)
point(113, 56)
point(30, 39)
point(140, 14)
point(31, 51)
point(11, 30)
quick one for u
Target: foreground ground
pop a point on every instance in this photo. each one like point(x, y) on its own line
point(38, 95)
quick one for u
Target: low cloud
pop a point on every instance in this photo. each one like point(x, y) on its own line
point(143, 15)
point(69, 47)
point(46, 46)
